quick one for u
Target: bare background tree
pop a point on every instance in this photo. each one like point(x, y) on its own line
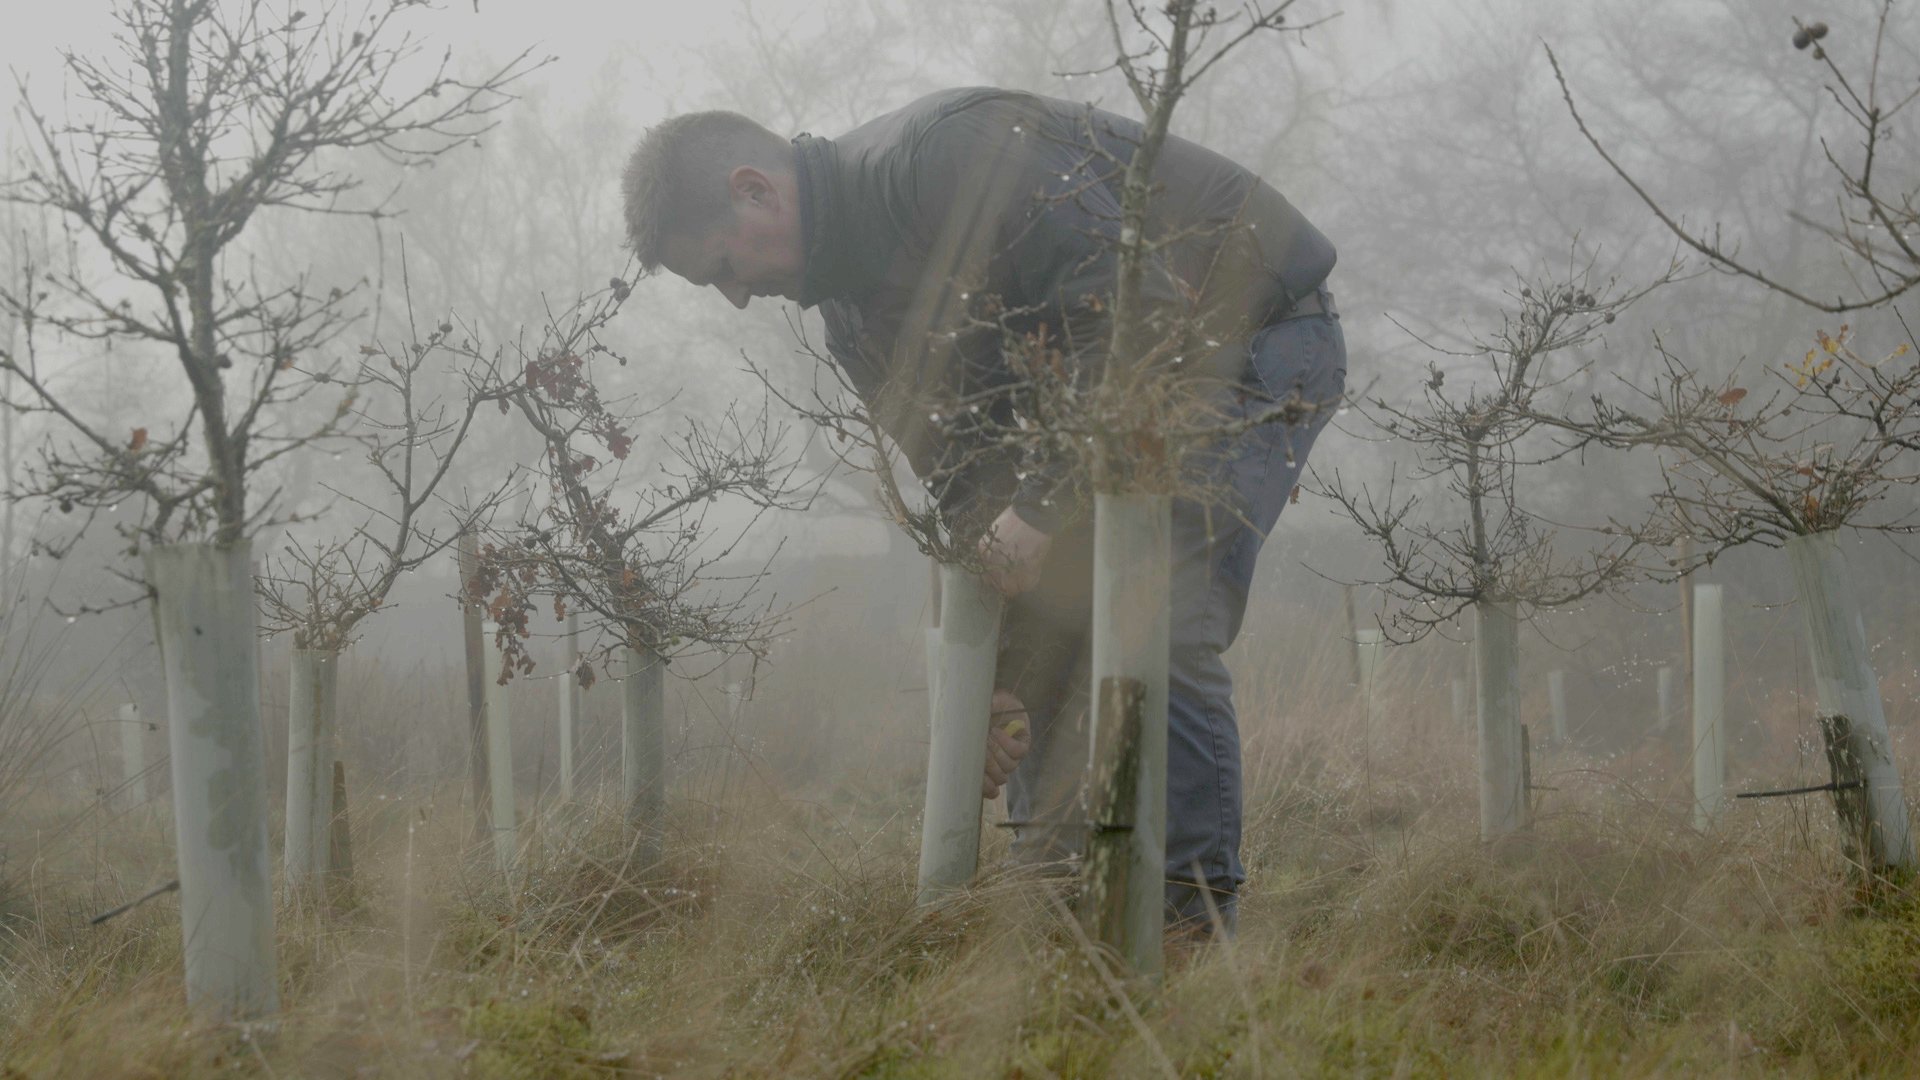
point(212, 114)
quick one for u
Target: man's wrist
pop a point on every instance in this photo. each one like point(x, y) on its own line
point(1041, 517)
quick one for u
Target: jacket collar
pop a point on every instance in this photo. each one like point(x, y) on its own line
point(838, 256)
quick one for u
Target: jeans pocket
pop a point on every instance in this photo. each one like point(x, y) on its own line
point(1294, 357)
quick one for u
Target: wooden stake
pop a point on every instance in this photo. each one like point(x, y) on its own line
point(1112, 796)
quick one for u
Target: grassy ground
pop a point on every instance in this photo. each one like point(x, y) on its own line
point(1380, 938)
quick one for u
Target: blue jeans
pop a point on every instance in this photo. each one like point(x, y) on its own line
point(1044, 649)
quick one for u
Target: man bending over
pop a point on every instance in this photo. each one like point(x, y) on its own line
point(929, 235)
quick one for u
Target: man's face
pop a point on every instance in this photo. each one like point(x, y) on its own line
point(757, 252)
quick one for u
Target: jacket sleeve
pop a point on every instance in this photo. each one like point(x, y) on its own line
point(1030, 212)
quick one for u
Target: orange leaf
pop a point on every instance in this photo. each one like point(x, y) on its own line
point(139, 440)
point(1732, 397)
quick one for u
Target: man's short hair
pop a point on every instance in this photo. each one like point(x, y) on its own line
point(676, 179)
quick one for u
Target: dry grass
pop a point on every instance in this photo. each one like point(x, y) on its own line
point(780, 937)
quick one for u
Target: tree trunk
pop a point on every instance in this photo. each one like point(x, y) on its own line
point(310, 749)
point(1847, 687)
point(1132, 634)
point(204, 613)
point(957, 745)
point(1503, 785)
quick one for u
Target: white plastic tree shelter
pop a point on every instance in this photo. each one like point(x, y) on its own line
point(933, 674)
point(933, 646)
point(1370, 647)
point(1663, 697)
point(1709, 706)
point(1503, 773)
point(133, 755)
point(643, 748)
point(311, 714)
point(569, 706)
point(1557, 703)
point(204, 615)
point(500, 755)
point(957, 743)
point(1846, 686)
point(1132, 635)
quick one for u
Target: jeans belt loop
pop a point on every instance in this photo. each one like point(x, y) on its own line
point(1317, 302)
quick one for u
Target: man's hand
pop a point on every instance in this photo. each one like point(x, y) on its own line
point(1009, 737)
point(1013, 551)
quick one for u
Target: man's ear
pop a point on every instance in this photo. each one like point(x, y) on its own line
point(750, 184)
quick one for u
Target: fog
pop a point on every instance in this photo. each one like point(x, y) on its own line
point(1428, 140)
point(1625, 296)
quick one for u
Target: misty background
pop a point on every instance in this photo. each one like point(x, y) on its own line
point(1427, 139)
